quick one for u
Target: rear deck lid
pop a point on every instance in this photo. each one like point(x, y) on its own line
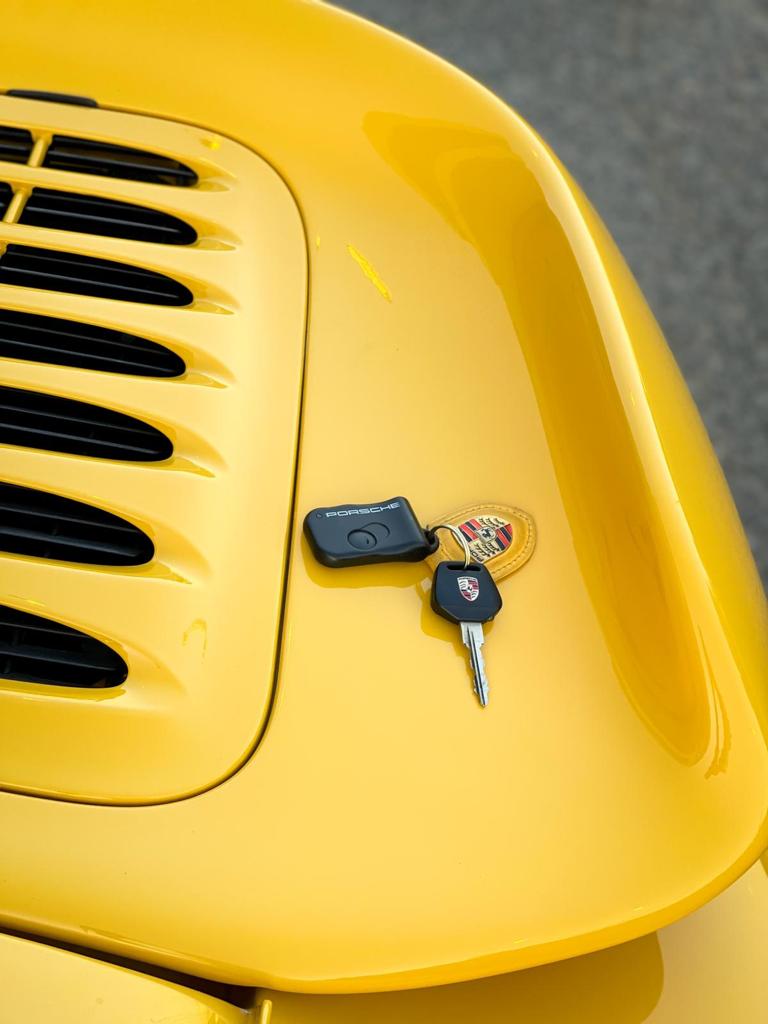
point(152, 305)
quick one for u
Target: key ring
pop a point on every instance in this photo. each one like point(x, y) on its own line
point(457, 535)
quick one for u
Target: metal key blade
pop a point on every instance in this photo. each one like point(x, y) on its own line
point(473, 639)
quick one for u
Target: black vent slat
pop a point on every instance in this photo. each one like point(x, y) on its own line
point(6, 194)
point(34, 649)
point(17, 504)
point(25, 541)
point(68, 211)
point(25, 267)
point(15, 144)
point(47, 525)
point(86, 156)
point(57, 419)
point(36, 420)
point(52, 97)
point(78, 415)
point(99, 661)
point(38, 437)
point(41, 629)
point(47, 339)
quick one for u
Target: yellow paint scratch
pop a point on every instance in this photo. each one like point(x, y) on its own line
point(317, 241)
point(197, 633)
point(369, 272)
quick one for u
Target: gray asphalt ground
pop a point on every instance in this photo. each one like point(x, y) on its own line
point(660, 110)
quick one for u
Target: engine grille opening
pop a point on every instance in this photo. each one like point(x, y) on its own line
point(27, 267)
point(48, 339)
point(47, 525)
point(86, 156)
point(36, 420)
point(68, 211)
point(15, 144)
point(6, 194)
point(34, 649)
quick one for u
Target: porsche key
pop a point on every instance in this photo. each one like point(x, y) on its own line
point(467, 596)
point(382, 531)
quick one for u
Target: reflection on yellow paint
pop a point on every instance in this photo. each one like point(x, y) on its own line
point(622, 985)
point(369, 272)
point(494, 201)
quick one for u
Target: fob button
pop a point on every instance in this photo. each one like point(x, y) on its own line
point(379, 530)
point(362, 539)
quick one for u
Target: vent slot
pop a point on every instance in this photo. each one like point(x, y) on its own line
point(68, 211)
point(6, 194)
point(38, 650)
point(35, 420)
point(25, 267)
point(53, 97)
point(48, 526)
point(47, 339)
point(15, 144)
point(85, 156)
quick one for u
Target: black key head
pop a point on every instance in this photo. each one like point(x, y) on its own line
point(462, 594)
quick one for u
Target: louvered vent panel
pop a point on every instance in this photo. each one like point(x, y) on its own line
point(87, 156)
point(15, 144)
point(38, 650)
point(6, 194)
point(36, 420)
point(46, 525)
point(68, 211)
point(48, 339)
point(136, 375)
point(27, 267)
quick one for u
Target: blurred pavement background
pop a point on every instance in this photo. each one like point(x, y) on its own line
point(660, 110)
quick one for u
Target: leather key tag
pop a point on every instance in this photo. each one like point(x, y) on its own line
point(500, 537)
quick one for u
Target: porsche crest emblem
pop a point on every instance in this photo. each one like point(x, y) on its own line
point(487, 536)
point(468, 587)
point(501, 537)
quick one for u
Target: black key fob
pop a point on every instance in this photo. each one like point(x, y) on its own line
point(465, 594)
point(385, 531)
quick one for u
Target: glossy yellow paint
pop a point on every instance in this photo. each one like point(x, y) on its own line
point(707, 969)
point(200, 663)
point(388, 833)
point(44, 985)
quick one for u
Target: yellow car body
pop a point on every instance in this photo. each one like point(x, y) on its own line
point(396, 289)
